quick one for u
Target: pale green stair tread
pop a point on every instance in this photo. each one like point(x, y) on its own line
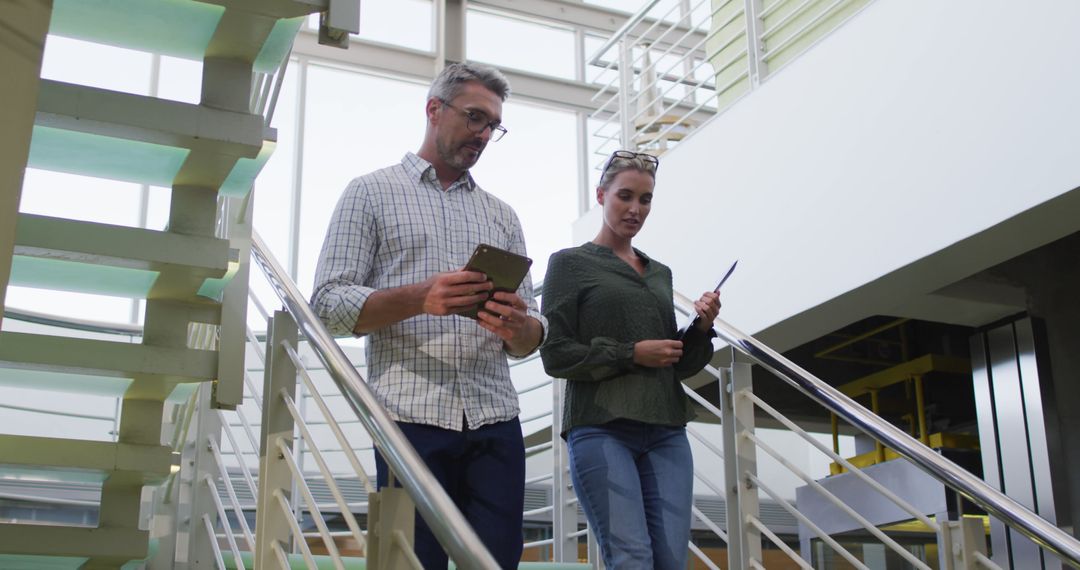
point(99, 156)
point(145, 140)
point(87, 384)
point(120, 261)
point(323, 562)
point(49, 381)
point(243, 174)
point(28, 562)
point(53, 475)
point(105, 358)
point(179, 28)
point(60, 275)
point(154, 461)
point(65, 541)
point(278, 44)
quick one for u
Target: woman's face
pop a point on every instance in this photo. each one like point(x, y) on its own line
point(626, 202)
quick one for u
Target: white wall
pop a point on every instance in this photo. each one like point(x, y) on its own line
point(920, 143)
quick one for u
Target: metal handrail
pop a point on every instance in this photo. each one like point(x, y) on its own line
point(996, 503)
point(84, 325)
point(432, 502)
point(623, 30)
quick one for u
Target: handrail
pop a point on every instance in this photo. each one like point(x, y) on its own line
point(623, 30)
point(960, 480)
point(84, 325)
point(432, 502)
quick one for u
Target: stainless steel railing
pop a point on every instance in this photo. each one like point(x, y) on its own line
point(996, 503)
point(432, 502)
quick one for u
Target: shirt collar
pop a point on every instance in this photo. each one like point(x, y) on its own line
point(608, 251)
point(421, 170)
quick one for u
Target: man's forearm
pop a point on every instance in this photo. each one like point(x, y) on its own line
point(533, 333)
point(388, 306)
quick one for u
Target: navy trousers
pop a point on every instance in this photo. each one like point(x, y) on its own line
point(483, 471)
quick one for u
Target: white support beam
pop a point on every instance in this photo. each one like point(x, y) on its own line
point(145, 119)
point(104, 358)
point(151, 461)
point(118, 544)
point(597, 19)
point(418, 66)
point(23, 26)
point(119, 246)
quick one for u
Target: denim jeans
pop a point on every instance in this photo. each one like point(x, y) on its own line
point(635, 482)
point(483, 471)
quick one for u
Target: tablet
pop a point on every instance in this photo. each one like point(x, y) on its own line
point(505, 269)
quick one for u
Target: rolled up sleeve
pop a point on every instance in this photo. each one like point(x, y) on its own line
point(342, 276)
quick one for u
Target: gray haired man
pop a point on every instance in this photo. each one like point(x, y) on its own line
point(391, 268)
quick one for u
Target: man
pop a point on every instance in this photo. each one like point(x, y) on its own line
point(391, 268)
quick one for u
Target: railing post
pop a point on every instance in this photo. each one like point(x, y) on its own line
point(271, 524)
point(744, 540)
point(958, 541)
point(391, 529)
point(192, 547)
point(564, 519)
point(626, 87)
point(755, 45)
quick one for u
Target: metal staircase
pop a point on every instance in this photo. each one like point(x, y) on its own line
point(192, 276)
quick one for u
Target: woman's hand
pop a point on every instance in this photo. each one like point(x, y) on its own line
point(657, 353)
point(707, 307)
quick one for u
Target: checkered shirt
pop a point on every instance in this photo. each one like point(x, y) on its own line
point(396, 227)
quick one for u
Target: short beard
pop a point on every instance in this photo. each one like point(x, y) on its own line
point(451, 158)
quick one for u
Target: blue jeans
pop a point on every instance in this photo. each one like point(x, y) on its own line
point(635, 482)
point(483, 471)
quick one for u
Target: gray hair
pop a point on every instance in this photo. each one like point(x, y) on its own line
point(451, 81)
point(617, 165)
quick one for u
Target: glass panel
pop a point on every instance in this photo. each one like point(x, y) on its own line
point(354, 124)
point(534, 169)
point(384, 21)
point(71, 305)
point(180, 80)
point(96, 65)
point(83, 198)
point(500, 40)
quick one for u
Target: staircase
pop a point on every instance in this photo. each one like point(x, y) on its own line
point(192, 276)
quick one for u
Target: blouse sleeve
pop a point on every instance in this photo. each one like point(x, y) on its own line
point(564, 356)
point(697, 352)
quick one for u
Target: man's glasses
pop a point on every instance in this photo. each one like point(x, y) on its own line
point(477, 122)
point(650, 162)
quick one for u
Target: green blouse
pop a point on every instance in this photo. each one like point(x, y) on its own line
point(597, 307)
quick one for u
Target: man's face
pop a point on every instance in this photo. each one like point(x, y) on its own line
point(456, 144)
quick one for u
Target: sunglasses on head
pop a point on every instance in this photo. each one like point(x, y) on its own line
point(651, 162)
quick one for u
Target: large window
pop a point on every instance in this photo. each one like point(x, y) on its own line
point(516, 43)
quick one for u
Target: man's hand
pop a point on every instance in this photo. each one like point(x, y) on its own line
point(707, 307)
point(441, 294)
point(657, 353)
point(454, 291)
point(505, 314)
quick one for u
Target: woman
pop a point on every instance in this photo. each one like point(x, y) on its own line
point(611, 324)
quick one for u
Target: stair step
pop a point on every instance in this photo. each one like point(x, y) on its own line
point(104, 358)
point(152, 461)
point(145, 140)
point(65, 541)
point(180, 28)
point(87, 257)
point(91, 385)
point(14, 562)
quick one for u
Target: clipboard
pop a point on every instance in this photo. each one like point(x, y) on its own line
point(693, 317)
point(505, 269)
